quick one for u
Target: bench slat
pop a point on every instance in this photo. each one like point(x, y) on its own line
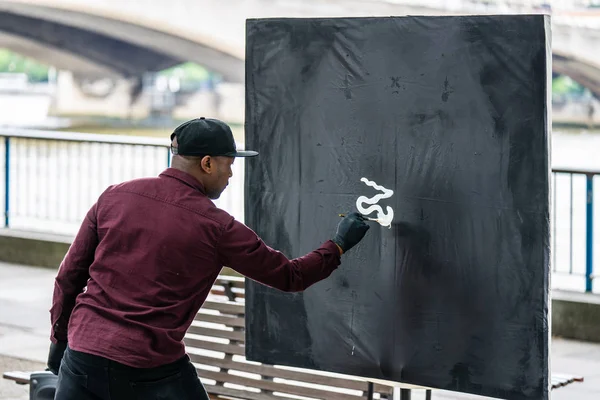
point(234, 322)
point(274, 386)
point(237, 393)
point(238, 293)
point(23, 378)
point(560, 380)
point(235, 280)
point(212, 346)
point(268, 370)
point(217, 333)
point(19, 377)
point(228, 307)
point(567, 377)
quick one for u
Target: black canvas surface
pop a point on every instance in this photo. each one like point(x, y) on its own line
point(451, 113)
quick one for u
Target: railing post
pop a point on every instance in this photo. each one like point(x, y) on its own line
point(589, 233)
point(6, 181)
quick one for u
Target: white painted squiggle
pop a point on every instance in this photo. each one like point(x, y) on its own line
point(384, 218)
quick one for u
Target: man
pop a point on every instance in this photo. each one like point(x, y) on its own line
point(147, 254)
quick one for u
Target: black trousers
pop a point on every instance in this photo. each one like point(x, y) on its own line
point(84, 376)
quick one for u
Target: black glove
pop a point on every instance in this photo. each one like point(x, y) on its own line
point(55, 356)
point(350, 231)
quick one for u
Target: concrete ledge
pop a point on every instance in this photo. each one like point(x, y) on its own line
point(31, 248)
point(576, 315)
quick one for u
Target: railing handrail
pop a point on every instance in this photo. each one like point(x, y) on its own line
point(576, 171)
point(83, 137)
point(87, 137)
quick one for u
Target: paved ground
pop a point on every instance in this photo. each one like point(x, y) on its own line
point(25, 296)
point(10, 390)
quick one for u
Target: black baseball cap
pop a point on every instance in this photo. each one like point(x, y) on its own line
point(206, 137)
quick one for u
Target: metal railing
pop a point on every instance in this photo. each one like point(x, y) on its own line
point(573, 236)
point(52, 178)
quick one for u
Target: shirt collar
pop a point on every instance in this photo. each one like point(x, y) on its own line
point(183, 177)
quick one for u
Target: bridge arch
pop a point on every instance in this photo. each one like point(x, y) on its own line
point(122, 46)
point(581, 71)
point(47, 28)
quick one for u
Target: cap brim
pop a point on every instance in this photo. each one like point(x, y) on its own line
point(246, 153)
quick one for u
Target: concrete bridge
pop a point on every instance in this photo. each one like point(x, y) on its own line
point(127, 37)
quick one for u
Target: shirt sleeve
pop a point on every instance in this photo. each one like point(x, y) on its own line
point(242, 250)
point(73, 275)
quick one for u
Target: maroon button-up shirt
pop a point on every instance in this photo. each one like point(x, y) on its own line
point(147, 254)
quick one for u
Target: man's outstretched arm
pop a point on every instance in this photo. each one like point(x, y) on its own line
point(242, 250)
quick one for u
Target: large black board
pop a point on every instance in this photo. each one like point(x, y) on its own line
point(452, 114)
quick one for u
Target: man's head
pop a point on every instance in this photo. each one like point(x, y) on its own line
point(205, 148)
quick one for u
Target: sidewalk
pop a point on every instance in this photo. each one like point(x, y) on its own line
point(26, 293)
point(10, 390)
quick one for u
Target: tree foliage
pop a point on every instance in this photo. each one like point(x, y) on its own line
point(564, 85)
point(188, 73)
point(13, 62)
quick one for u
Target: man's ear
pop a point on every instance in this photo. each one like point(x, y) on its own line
point(206, 163)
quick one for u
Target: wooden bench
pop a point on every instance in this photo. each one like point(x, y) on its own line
point(215, 343)
point(226, 308)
